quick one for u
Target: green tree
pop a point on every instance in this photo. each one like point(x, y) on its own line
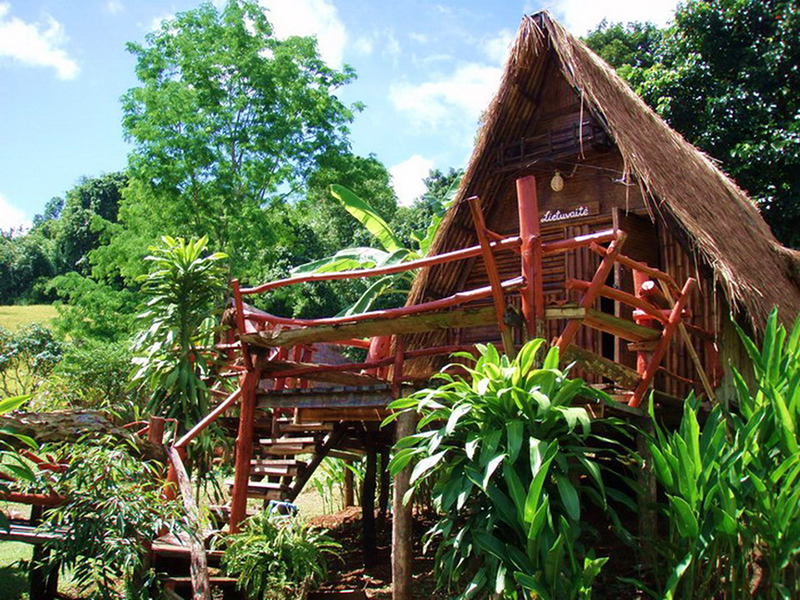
point(725, 76)
point(227, 121)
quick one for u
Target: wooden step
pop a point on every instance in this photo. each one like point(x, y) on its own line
point(276, 462)
point(304, 427)
point(287, 450)
point(265, 490)
point(289, 441)
point(274, 471)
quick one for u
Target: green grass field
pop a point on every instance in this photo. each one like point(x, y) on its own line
point(14, 317)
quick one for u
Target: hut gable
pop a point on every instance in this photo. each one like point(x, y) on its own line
point(557, 100)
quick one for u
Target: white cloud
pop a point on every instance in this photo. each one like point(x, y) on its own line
point(407, 178)
point(581, 16)
point(310, 17)
point(420, 38)
point(35, 44)
point(363, 45)
point(114, 6)
point(392, 47)
point(460, 96)
point(11, 216)
point(496, 47)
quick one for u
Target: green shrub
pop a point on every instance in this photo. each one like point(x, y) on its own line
point(276, 558)
point(733, 486)
point(92, 375)
point(512, 464)
point(114, 510)
point(27, 357)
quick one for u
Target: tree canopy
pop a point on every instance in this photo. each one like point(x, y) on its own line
point(725, 76)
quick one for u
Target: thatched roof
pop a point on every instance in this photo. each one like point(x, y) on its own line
point(716, 221)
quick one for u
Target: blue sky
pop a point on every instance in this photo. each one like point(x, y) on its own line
point(425, 70)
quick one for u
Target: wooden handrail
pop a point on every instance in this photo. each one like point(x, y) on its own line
point(619, 296)
point(508, 243)
point(208, 419)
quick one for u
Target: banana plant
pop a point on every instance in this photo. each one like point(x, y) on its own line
point(512, 461)
point(392, 250)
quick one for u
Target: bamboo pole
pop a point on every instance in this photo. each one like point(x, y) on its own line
point(244, 450)
point(201, 586)
point(402, 521)
point(494, 276)
point(531, 256)
point(661, 348)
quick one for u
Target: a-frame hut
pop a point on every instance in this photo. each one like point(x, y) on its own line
point(603, 159)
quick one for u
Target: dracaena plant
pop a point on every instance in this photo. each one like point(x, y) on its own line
point(733, 486)
point(512, 462)
point(184, 287)
point(392, 250)
point(11, 463)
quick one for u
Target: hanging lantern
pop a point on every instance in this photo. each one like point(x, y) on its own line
point(557, 182)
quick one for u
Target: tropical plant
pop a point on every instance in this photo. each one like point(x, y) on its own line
point(11, 463)
point(113, 512)
point(91, 374)
point(27, 357)
point(276, 558)
point(512, 463)
point(184, 288)
point(393, 252)
point(733, 487)
point(329, 480)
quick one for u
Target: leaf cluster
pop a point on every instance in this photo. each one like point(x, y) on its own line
point(512, 462)
point(733, 486)
point(277, 558)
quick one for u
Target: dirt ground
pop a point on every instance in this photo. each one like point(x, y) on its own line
point(348, 573)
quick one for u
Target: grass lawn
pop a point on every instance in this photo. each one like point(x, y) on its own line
point(13, 580)
point(14, 317)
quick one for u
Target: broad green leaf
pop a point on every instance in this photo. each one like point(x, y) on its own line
point(569, 496)
point(425, 465)
point(514, 436)
point(367, 216)
point(684, 518)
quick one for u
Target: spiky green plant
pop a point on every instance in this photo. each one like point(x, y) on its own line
point(512, 462)
point(185, 287)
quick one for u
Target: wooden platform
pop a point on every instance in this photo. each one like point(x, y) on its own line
point(377, 396)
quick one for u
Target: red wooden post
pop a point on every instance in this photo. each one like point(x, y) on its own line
point(639, 279)
point(493, 273)
point(598, 281)
point(531, 254)
point(239, 306)
point(399, 358)
point(661, 349)
point(244, 449)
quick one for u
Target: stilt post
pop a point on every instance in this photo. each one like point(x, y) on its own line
point(244, 449)
point(531, 254)
point(494, 274)
point(369, 539)
point(402, 520)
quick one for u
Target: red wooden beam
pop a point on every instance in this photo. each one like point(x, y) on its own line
point(35, 499)
point(635, 265)
point(244, 450)
point(619, 296)
point(663, 343)
point(494, 275)
point(530, 234)
point(589, 296)
point(394, 313)
point(508, 243)
point(208, 419)
point(239, 305)
point(580, 241)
